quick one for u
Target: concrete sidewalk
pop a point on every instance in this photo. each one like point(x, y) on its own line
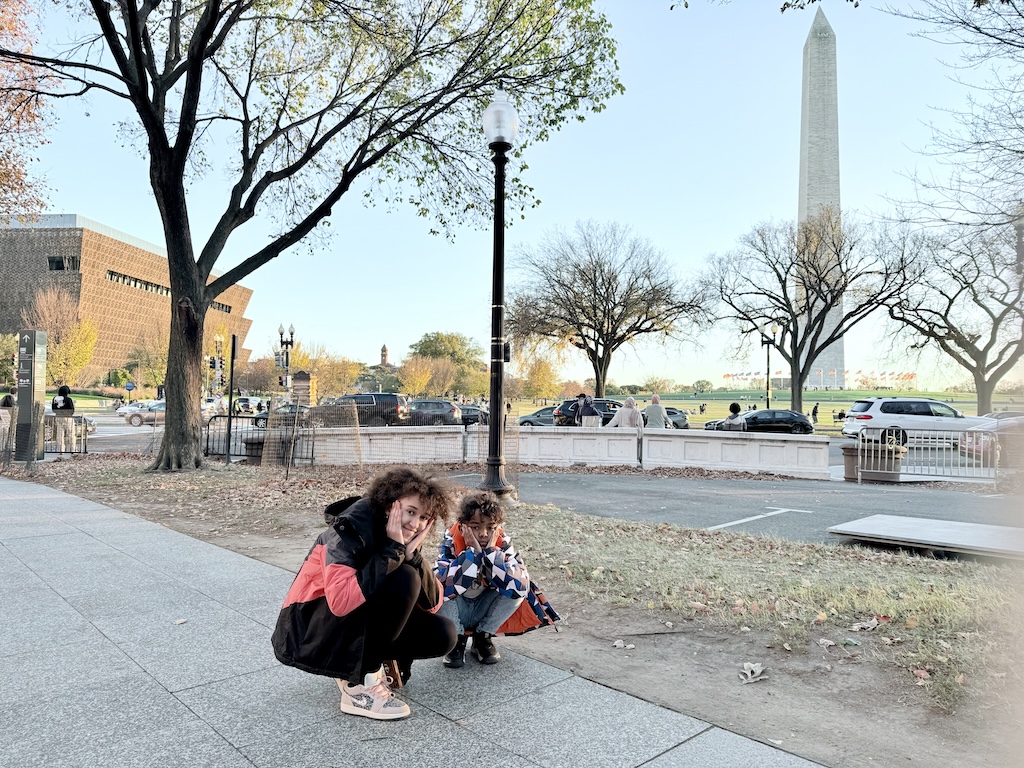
point(123, 643)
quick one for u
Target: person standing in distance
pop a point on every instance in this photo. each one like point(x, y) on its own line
point(64, 418)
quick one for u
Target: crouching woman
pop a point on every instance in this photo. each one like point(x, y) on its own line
point(364, 604)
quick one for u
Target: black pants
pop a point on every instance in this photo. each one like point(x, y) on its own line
point(397, 629)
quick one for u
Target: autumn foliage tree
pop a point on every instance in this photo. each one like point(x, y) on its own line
point(70, 341)
point(287, 104)
point(21, 115)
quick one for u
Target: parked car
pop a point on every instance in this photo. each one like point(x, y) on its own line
point(154, 414)
point(430, 412)
point(999, 444)
point(1004, 415)
point(474, 414)
point(771, 420)
point(680, 419)
point(541, 418)
point(565, 414)
point(372, 409)
point(286, 413)
point(898, 416)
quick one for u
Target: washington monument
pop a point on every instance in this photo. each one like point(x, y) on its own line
point(819, 166)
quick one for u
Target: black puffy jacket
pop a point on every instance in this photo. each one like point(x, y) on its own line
point(322, 627)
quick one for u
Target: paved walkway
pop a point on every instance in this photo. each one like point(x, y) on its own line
point(123, 643)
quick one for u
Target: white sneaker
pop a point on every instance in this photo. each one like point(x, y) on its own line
point(372, 699)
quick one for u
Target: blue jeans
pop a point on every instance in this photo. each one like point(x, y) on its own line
point(484, 613)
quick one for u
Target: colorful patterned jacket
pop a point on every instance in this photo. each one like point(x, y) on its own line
point(458, 567)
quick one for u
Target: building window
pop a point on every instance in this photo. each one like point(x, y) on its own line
point(145, 285)
point(63, 263)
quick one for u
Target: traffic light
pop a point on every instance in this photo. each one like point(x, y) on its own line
point(280, 381)
point(220, 362)
point(213, 363)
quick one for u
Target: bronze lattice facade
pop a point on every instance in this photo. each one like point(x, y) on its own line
point(121, 285)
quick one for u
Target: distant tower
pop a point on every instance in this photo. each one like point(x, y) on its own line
point(384, 355)
point(819, 163)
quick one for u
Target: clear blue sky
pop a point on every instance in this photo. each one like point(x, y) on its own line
point(703, 145)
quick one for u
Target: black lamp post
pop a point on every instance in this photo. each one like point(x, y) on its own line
point(286, 348)
point(500, 126)
point(767, 342)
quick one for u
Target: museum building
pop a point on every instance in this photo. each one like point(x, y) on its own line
point(121, 285)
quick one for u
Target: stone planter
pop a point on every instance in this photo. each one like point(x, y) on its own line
point(878, 463)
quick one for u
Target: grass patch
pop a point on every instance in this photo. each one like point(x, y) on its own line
point(945, 622)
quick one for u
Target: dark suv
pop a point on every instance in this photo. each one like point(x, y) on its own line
point(565, 414)
point(370, 409)
point(430, 412)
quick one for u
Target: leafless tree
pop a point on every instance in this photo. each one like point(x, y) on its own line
point(969, 302)
point(597, 290)
point(293, 101)
point(983, 150)
point(801, 277)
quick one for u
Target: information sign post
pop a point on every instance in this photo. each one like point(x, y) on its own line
point(31, 391)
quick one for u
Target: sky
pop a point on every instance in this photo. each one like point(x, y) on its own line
point(703, 145)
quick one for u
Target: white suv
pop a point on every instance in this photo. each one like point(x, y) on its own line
point(899, 415)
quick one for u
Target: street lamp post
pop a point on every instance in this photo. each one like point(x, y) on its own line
point(767, 342)
point(500, 126)
point(286, 348)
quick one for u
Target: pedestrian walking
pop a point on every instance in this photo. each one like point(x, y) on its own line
point(814, 414)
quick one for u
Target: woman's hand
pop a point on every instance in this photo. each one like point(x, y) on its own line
point(414, 543)
point(394, 527)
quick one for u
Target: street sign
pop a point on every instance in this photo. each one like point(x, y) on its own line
point(129, 386)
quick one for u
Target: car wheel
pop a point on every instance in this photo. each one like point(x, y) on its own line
point(135, 421)
point(893, 436)
point(260, 422)
point(375, 421)
point(438, 421)
point(796, 429)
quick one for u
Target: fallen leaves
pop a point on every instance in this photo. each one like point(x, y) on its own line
point(753, 673)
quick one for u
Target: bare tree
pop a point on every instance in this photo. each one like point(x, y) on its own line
point(969, 302)
point(296, 100)
point(802, 277)
point(597, 290)
point(984, 148)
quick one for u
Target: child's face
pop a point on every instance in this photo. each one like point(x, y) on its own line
point(414, 516)
point(482, 527)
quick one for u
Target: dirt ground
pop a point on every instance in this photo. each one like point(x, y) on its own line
point(826, 705)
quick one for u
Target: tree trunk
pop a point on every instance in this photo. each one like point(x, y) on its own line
point(796, 378)
point(601, 365)
point(181, 447)
point(985, 389)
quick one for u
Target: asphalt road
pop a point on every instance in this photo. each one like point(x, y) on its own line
point(799, 510)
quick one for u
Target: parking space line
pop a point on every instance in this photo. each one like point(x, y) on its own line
point(775, 511)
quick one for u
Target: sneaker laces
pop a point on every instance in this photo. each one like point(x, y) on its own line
point(381, 687)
